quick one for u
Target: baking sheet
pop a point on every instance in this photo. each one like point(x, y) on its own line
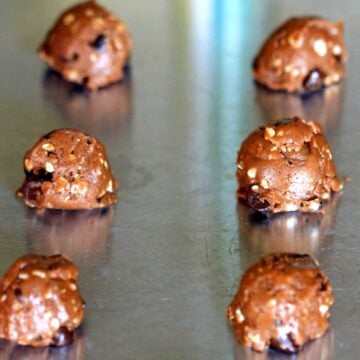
point(158, 270)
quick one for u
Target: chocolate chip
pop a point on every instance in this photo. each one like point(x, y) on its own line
point(33, 191)
point(323, 283)
point(276, 258)
point(301, 256)
point(338, 58)
point(63, 337)
point(314, 80)
point(256, 203)
point(323, 286)
point(43, 175)
point(19, 295)
point(53, 256)
point(48, 135)
point(74, 57)
point(255, 64)
point(38, 176)
point(99, 42)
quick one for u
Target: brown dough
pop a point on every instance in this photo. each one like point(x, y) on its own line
point(40, 301)
point(286, 166)
point(283, 301)
point(88, 45)
point(303, 54)
point(67, 169)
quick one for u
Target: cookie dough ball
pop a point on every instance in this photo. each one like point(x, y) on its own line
point(286, 166)
point(67, 169)
point(40, 301)
point(88, 45)
point(303, 54)
point(283, 301)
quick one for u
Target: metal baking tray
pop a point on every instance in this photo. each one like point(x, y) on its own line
point(159, 269)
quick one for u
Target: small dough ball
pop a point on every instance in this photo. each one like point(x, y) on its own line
point(67, 169)
point(40, 301)
point(286, 166)
point(283, 301)
point(303, 54)
point(88, 45)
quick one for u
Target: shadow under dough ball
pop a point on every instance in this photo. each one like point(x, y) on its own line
point(286, 166)
point(67, 169)
point(303, 54)
point(283, 301)
point(88, 45)
point(40, 301)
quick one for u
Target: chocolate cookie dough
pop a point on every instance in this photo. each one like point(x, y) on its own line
point(303, 54)
point(286, 166)
point(67, 169)
point(283, 301)
point(40, 301)
point(88, 45)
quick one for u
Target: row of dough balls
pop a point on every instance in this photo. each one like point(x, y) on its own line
point(286, 166)
point(283, 301)
point(89, 46)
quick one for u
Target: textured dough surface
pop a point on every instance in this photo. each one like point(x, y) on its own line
point(286, 166)
point(40, 301)
point(67, 169)
point(283, 301)
point(303, 54)
point(88, 45)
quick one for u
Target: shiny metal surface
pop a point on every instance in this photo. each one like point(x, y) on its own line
point(158, 270)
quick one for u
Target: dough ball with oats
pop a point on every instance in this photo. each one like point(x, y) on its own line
point(303, 54)
point(88, 45)
point(286, 166)
point(40, 301)
point(283, 301)
point(67, 169)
